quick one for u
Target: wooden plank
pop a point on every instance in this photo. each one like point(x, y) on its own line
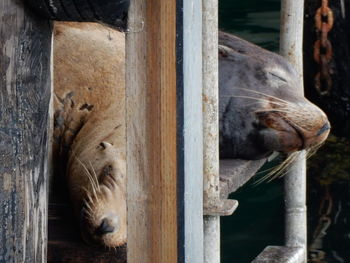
point(25, 42)
point(151, 132)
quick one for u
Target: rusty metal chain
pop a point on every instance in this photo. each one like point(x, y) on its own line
point(316, 255)
point(323, 51)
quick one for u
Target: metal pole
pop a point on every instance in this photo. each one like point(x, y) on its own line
point(211, 130)
point(192, 134)
point(291, 40)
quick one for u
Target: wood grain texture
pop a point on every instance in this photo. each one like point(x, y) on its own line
point(151, 132)
point(25, 42)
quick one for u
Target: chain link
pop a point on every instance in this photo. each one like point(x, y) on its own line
point(316, 255)
point(323, 51)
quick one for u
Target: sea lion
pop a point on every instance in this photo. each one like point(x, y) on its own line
point(89, 126)
point(260, 112)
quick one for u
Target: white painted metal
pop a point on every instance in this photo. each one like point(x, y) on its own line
point(211, 130)
point(193, 130)
point(291, 41)
point(273, 254)
point(210, 103)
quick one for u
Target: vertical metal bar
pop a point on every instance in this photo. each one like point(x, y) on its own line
point(193, 144)
point(211, 189)
point(292, 14)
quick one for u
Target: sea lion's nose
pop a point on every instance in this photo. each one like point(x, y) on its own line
point(324, 128)
point(105, 227)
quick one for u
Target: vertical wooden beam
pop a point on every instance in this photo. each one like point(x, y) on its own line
point(151, 132)
point(25, 47)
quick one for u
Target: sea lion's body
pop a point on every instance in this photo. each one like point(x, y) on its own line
point(89, 131)
point(90, 121)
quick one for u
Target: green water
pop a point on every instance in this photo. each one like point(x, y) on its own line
point(259, 220)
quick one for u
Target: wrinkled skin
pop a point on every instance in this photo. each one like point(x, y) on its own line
point(261, 107)
point(89, 131)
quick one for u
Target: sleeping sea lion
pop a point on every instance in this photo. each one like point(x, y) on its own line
point(89, 126)
point(260, 112)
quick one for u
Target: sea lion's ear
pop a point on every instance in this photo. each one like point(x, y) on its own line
point(223, 51)
point(104, 145)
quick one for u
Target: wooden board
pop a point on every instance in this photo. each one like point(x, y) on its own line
point(25, 42)
point(151, 132)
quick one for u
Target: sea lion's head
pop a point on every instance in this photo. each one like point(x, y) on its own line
point(262, 108)
point(99, 197)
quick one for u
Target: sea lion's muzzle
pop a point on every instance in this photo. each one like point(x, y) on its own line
point(276, 134)
point(280, 133)
point(108, 225)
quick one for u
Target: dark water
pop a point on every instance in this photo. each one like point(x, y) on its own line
point(259, 220)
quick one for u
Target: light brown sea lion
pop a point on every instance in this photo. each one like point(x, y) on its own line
point(89, 128)
point(260, 112)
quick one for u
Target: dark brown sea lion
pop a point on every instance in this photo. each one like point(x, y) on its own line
point(260, 112)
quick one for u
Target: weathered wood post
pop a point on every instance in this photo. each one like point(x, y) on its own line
point(164, 131)
point(25, 88)
point(151, 132)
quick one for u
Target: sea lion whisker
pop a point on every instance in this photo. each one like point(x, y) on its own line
point(95, 176)
point(86, 192)
point(92, 186)
point(264, 94)
point(88, 174)
point(89, 209)
point(273, 110)
point(280, 170)
point(310, 152)
point(87, 203)
point(90, 199)
point(290, 105)
point(88, 196)
point(88, 213)
point(283, 167)
point(259, 99)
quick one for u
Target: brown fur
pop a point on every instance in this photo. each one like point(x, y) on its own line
point(259, 113)
point(89, 122)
